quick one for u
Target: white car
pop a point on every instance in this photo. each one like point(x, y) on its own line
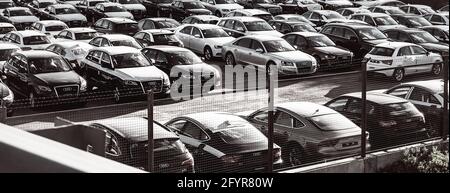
point(400, 55)
point(133, 6)
point(201, 19)
point(27, 39)
point(49, 27)
point(379, 20)
point(6, 28)
point(109, 10)
point(251, 13)
point(293, 17)
point(243, 26)
point(73, 51)
point(335, 4)
point(71, 2)
point(6, 50)
point(81, 34)
point(221, 7)
point(206, 39)
point(108, 40)
point(20, 17)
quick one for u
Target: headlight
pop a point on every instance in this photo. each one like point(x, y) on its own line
point(83, 84)
point(10, 97)
point(388, 62)
point(166, 80)
point(330, 57)
point(284, 63)
point(217, 46)
point(226, 10)
point(44, 88)
point(130, 83)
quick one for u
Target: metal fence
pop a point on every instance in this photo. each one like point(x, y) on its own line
point(242, 142)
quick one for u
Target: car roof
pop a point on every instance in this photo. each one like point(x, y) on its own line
point(7, 46)
point(60, 5)
point(323, 11)
point(408, 15)
point(28, 33)
point(436, 86)
point(205, 17)
point(37, 53)
point(116, 50)
point(170, 49)
point(135, 128)
point(17, 8)
point(80, 29)
point(407, 30)
point(306, 109)
point(203, 26)
point(252, 11)
point(159, 19)
point(244, 18)
point(416, 5)
point(114, 37)
point(157, 31)
point(4, 24)
point(215, 121)
point(372, 14)
point(394, 45)
point(45, 1)
point(110, 4)
point(307, 34)
point(119, 20)
point(51, 23)
point(263, 37)
point(69, 43)
point(386, 7)
point(289, 15)
point(378, 98)
point(353, 26)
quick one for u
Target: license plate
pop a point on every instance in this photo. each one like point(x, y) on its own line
point(152, 83)
point(67, 89)
point(257, 154)
point(164, 165)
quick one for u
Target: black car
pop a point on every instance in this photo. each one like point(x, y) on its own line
point(328, 55)
point(357, 38)
point(390, 10)
point(298, 6)
point(157, 37)
point(438, 18)
point(43, 76)
point(6, 4)
point(390, 119)
point(428, 97)
point(222, 142)
point(439, 32)
point(116, 26)
point(267, 5)
point(411, 21)
point(420, 37)
point(181, 9)
point(87, 6)
point(128, 144)
point(285, 27)
point(109, 10)
point(322, 17)
point(64, 12)
point(157, 8)
point(158, 23)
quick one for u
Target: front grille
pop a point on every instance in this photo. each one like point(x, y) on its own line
point(274, 10)
point(156, 86)
point(67, 91)
point(304, 67)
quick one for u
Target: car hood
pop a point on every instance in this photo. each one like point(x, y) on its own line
point(72, 17)
point(228, 6)
point(21, 19)
point(221, 40)
point(376, 42)
point(147, 73)
point(58, 78)
point(339, 3)
point(125, 14)
point(134, 7)
point(293, 56)
point(4, 90)
point(266, 5)
point(386, 27)
point(269, 33)
point(333, 50)
point(441, 47)
point(201, 67)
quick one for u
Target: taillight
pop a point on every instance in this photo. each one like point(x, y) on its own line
point(328, 143)
point(387, 123)
point(188, 162)
point(231, 158)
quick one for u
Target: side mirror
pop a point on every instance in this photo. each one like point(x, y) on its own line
point(259, 50)
point(428, 53)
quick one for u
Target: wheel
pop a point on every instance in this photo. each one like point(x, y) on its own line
point(116, 95)
point(207, 53)
point(398, 75)
point(437, 69)
point(229, 60)
point(295, 155)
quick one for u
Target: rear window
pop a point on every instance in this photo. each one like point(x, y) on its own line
point(401, 109)
point(241, 135)
point(332, 122)
point(380, 51)
point(169, 147)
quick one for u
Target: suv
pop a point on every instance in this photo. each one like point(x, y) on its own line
point(420, 37)
point(221, 7)
point(380, 20)
point(116, 26)
point(27, 39)
point(358, 38)
point(242, 26)
point(43, 76)
point(124, 71)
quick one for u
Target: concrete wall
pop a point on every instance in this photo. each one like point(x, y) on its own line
point(372, 163)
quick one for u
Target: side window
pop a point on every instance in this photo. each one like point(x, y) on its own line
point(277, 26)
point(418, 50)
point(245, 42)
point(187, 20)
point(290, 39)
point(22, 63)
point(338, 105)
point(287, 120)
point(327, 30)
point(139, 36)
point(405, 51)
point(256, 45)
point(148, 25)
point(96, 42)
point(177, 125)
point(401, 92)
point(151, 54)
point(161, 58)
point(51, 48)
point(354, 106)
point(307, 14)
point(105, 24)
point(194, 131)
point(261, 116)
point(286, 28)
point(369, 20)
point(104, 43)
point(186, 30)
point(239, 27)
point(69, 35)
point(229, 24)
point(357, 17)
point(419, 94)
point(315, 16)
point(414, 10)
point(392, 34)
point(96, 56)
point(63, 34)
point(112, 146)
point(436, 18)
point(301, 42)
point(339, 32)
point(402, 37)
point(349, 34)
point(404, 8)
point(196, 32)
point(106, 60)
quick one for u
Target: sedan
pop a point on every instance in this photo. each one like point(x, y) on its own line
point(181, 9)
point(221, 7)
point(6, 28)
point(322, 17)
point(114, 10)
point(78, 33)
point(260, 51)
point(116, 26)
point(411, 21)
point(49, 27)
point(222, 142)
point(328, 55)
point(206, 39)
point(379, 20)
point(158, 23)
point(27, 40)
point(299, 6)
point(335, 4)
point(440, 32)
point(285, 27)
point(420, 37)
point(307, 132)
point(157, 37)
point(134, 7)
point(115, 40)
point(65, 13)
point(201, 19)
point(20, 17)
point(438, 18)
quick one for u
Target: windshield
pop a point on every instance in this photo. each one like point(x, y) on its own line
point(115, 9)
point(427, 10)
point(320, 41)
point(258, 26)
point(35, 40)
point(241, 135)
point(193, 5)
point(264, 1)
point(128, 1)
point(214, 33)
point(130, 60)
point(45, 4)
point(225, 2)
point(303, 28)
point(380, 51)
point(423, 37)
point(23, 12)
point(85, 35)
point(168, 147)
point(129, 43)
point(48, 65)
point(278, 46)
point(4, 5)
point(66, 11)
point(395, 11)
point(419, 21)
point(4, 30)
point(401, 109)
point(5, 54)
point(370, 34)
point(55, 28)
point(184, 58)
point(165, 38)
point(126, 27)
point(332, 122)
point(167, 24)
point(333, 15)
point(385, 20)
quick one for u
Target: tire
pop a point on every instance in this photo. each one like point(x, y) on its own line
point(436, 69)
point(398, 75)
point(207, 53)
point(229, 60)
point(295, 155)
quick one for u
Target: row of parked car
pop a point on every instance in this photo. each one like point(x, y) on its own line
point(303, 132)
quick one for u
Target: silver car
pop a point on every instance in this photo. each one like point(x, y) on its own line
point(260, 50)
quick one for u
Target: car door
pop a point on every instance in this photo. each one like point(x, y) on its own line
point(100, 26)
point(406, 59)
point(316, 19)
point(11, 71)
point(178, 12)
point(196, 40)
point(259, 119)
point(241, 50)
point(351, 41)
point(22, 74)
point(239, 29)
point(422, 57)
point(257, 54)
point(162, 62)
point(286, 126)
point(93, 68)
point(353, 110)
point(184, 35)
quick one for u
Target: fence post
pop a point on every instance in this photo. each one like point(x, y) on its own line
point(364, 108)
point(445, 106)
point(150, 130)
point(270, 119)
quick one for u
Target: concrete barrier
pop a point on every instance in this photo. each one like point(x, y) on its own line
point(372, 163)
